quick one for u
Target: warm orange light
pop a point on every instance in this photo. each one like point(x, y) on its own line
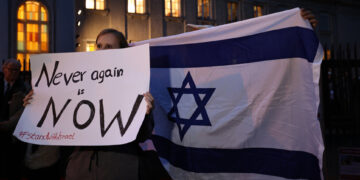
point(32, 10)
point(24, 61)
point(21, 12)
point(20, 37)
point(32, 39)
point(199, 9)
point(44, 38)
point(232, 11)
point(175, 8)
point(90, 47)
point(131, 6)
point(27, 62)
point(328, 54)
point(100, 4)
point(89, 4)
point(140, 6)
point(167, 7)
point(43, 14)
point(172, 8)
point(20, 57)
point(32, 31)
point(257, 11)
point(204, 8)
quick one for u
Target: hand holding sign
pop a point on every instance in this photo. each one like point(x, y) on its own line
point(28, 98)
point(150, 102)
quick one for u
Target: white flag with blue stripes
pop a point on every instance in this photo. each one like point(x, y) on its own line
point(239, 101)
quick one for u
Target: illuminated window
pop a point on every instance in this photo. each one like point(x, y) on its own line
point(90, 4)
point(172, 8)
point(90, 46)
point(136, 6)
point(258, 11)
point(203, 8)
point(95, 4)
point(100, 4)
point(32, 32)
point(232, 12)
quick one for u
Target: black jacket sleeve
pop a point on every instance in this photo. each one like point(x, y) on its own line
point(146, 128)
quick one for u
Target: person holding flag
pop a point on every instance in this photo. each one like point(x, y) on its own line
point(111, 162)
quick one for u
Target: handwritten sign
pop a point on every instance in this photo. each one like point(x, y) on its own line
point(92, 98)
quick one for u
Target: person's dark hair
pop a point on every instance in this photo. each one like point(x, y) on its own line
point(119, 35)
point(11, 61)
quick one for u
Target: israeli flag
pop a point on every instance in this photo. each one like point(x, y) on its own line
point(239, 101)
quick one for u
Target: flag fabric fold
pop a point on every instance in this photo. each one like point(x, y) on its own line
point(239, 101)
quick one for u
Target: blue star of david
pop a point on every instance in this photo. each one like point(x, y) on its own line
point(200, 110)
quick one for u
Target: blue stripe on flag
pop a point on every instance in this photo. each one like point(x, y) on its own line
point(275, 162)
point(278, 44)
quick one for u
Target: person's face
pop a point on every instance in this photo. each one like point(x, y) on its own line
point(107, 41)
point(11, 72)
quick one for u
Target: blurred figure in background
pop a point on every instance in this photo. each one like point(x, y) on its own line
point(12, 91)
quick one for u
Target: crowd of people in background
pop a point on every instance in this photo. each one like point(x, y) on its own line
point(19, 160)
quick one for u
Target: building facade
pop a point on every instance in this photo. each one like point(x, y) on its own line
point(32, 27)
point(145, 19)
point(41, 26)
point(47, 26)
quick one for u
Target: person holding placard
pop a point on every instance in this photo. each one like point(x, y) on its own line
point(119, 161)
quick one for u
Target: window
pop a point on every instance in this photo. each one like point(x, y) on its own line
point(95, 4)
point(136, 6)
point(172, 8)
point(232, 12)
point(90, 46)
point(203, 9)
point(257, 11)
point(32, 32)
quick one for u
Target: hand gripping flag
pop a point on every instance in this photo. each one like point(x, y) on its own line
point(239, 101)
